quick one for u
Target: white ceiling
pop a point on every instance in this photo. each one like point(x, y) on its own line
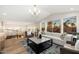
point(20, 12)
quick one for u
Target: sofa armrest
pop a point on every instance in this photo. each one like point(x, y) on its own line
point(68, 51)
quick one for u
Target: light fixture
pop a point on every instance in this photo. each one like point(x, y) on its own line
point(71, 9)
point(4, 14)
point(34, 11)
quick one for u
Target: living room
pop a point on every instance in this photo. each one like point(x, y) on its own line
point(51, 29)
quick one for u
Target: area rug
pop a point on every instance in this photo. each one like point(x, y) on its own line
point(55, 49)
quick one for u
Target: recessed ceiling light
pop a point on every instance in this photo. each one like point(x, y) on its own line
point(4, 14)
point(72, 9)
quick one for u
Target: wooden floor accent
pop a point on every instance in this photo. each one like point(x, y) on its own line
point(13, 46)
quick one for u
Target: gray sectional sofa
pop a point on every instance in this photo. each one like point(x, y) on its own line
point(57, 39)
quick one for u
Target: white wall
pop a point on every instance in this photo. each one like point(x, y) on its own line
point(61, 16)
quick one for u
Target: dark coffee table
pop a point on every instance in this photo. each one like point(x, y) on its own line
point(40, 47)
